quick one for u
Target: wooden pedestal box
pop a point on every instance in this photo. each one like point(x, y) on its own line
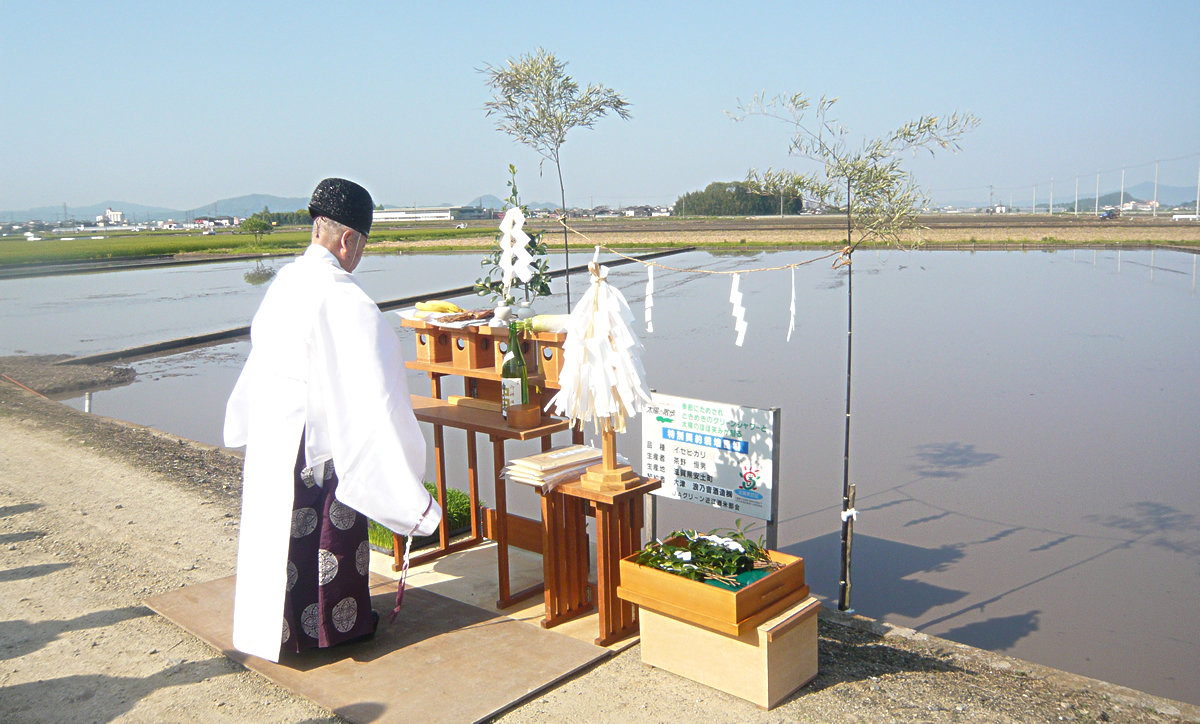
point(729, 612)
point(550, 356)
point(763, 666)
point(470, 350)
point(433, 344)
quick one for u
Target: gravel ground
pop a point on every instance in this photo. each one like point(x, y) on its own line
point(96, 515)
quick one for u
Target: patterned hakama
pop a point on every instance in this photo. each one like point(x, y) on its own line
point(328, 599)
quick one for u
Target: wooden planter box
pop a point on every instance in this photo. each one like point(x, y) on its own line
point(733, 613)
point(758, 642)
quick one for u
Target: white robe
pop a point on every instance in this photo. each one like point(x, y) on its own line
point(324, 362)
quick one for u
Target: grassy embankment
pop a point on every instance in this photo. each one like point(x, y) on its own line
point(17, 250)
point(814, 232)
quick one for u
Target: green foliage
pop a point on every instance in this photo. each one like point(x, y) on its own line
point(537, 103)
point(457, 515)
point(539, 284)
point(299, 217)
point(734, 199)
point(867, 181)
point(712, 556)
point(257, 226)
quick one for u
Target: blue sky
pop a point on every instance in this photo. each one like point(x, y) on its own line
point(177, 104)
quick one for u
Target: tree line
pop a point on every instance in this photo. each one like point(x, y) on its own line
point(299, 217)
point(734, 198)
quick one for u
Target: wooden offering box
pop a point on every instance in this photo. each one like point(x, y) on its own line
point(733, 613)
point(550, 355)
point(433, 344)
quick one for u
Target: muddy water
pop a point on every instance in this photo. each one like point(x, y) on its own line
point(1024, 441)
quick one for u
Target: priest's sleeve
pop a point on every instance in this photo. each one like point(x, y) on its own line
point(360, 414)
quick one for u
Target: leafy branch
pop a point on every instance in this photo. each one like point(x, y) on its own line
point(867, 181)
point(537, 103)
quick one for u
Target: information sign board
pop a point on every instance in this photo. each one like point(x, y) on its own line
point(711, 453)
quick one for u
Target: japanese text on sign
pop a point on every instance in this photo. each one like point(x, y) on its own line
point(710, 453)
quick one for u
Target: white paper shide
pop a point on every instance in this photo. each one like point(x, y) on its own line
point(602, 376)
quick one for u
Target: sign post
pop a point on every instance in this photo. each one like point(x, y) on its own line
point(715, 454)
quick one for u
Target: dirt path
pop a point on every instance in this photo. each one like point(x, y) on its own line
point(96, 515)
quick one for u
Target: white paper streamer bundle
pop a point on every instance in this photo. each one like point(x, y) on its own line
point(602, 375)
point(514, 257)
point(739, 312)
point(792, 308)
point(649, 297)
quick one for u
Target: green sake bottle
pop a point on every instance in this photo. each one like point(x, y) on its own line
point(514, 377)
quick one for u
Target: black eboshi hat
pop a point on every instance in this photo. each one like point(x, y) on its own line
point(344, 202)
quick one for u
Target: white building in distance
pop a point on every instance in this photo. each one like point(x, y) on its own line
point(111, 217)
point(429, 213)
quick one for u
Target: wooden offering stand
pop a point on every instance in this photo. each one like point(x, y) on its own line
point(476, 355)
point(617, 494)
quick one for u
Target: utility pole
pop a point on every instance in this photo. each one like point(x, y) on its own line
point(1197, 199)
point(1051, 207)
point(1076, 197)
point(1034, 209)
point(1097, 192)
point(991, 198)
point(1155, 210)
point(1122, 205)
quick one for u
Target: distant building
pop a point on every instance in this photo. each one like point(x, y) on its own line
point(430, 213)
point(111, 217)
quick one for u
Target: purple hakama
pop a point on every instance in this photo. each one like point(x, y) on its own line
point(328, 598)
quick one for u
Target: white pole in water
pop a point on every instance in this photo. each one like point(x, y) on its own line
point(87, 402)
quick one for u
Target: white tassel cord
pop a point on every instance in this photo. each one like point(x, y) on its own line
point(602, 375)
point(739, 312)
point(649, 299)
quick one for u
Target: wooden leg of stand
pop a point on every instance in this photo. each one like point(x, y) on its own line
point(501, 521)
point(473, 484)
point(606, 590)
point(439, 447)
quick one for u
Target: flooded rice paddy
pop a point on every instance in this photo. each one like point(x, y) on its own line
point(1026, 425)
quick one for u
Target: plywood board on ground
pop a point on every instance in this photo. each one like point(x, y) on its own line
point(436, 664)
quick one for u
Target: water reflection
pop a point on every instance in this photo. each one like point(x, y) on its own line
point(1025, 428)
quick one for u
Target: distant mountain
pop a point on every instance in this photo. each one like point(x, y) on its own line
point(251, 204)
point(1167, 195)
point(1089, 204)
point(237, 206)
point(51, 214)
point(493, 202)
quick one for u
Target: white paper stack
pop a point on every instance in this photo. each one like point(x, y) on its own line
point(545, 470)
